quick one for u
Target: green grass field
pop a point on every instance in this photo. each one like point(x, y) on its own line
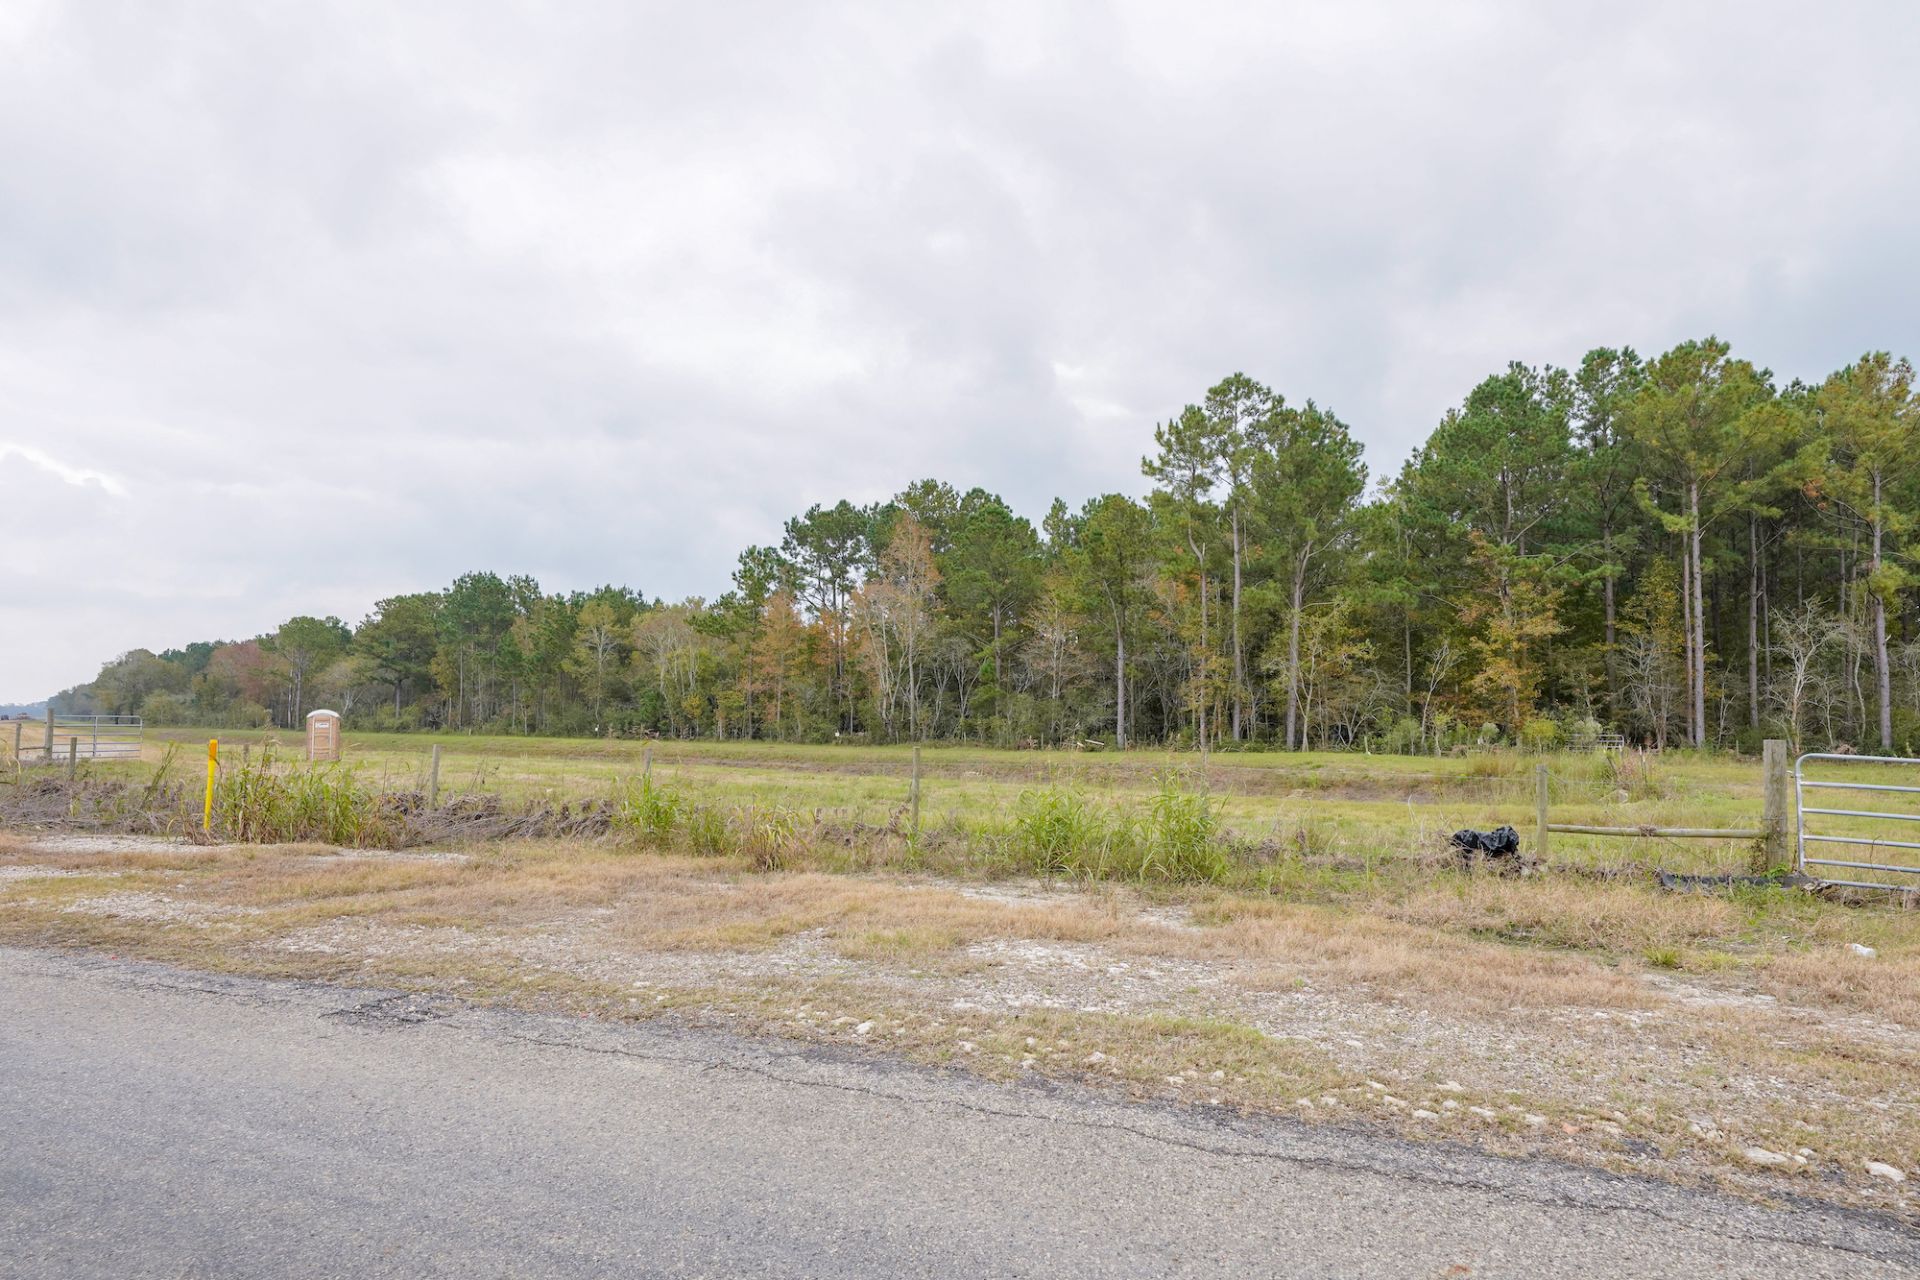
point(1343, 805)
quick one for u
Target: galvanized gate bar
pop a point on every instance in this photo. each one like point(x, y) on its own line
point(1869, 840)
point(1863, 884)
point(1802, 810)
point(1662, 833)
point(1836, 862)
point(1851, 758)
point(1865, 813)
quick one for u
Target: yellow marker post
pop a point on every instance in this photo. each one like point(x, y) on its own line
point(213, 763)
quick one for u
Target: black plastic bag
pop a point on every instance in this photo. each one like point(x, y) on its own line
point(1502, 844)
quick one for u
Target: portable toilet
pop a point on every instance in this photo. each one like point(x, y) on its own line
point(323, 735)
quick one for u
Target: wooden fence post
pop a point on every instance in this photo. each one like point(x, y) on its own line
point(433, 779)
point(915, 790)
point(1777, 846)
point(49, 734)
point(19, 726)
point(646, 765)
point(73, 756)
point(1540, 812)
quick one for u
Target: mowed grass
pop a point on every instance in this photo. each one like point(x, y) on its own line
point(1349, 806)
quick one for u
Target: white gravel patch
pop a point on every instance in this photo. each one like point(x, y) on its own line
point(156, 908)
point(15, 871)
point(110, 844)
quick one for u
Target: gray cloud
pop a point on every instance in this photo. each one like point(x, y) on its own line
point(300, 306)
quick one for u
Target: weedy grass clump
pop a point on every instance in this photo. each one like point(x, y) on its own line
point(1633, 774)
point(661, 818)
point(1056, 831)
point(1174, 835)
point(771, 836)
point(652, 814)
point(1178, 836)
point(704, 830)
point(326, 803)
point(1495, 763)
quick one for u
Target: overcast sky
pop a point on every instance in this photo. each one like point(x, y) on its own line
point(302, 305)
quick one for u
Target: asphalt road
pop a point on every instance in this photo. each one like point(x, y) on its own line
point(161, 1123)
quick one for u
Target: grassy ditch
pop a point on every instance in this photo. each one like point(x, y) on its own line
point(1353, 805)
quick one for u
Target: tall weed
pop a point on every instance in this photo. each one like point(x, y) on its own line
point(1634, 773)
point(771, 836)
point(1179, 835)
point(1174, 836)
point(1491, 762)
point(326, 803)
point(656, 816)
point(1056, 831)
point(706, 830)
point(651, 813)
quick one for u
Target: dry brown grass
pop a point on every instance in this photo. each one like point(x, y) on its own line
point(1884, 986)
point(1392, 957)
point(1560, 912)
point(1461, 943)
point(499, 887)
point(1455, 942)
point(670, 903)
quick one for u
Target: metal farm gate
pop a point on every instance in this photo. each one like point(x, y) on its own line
point(1880, 842)
point(58, 738)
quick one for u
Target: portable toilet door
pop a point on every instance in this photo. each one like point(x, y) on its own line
point(323, 735)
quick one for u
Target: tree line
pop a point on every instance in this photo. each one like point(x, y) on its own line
point(1680, 549)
